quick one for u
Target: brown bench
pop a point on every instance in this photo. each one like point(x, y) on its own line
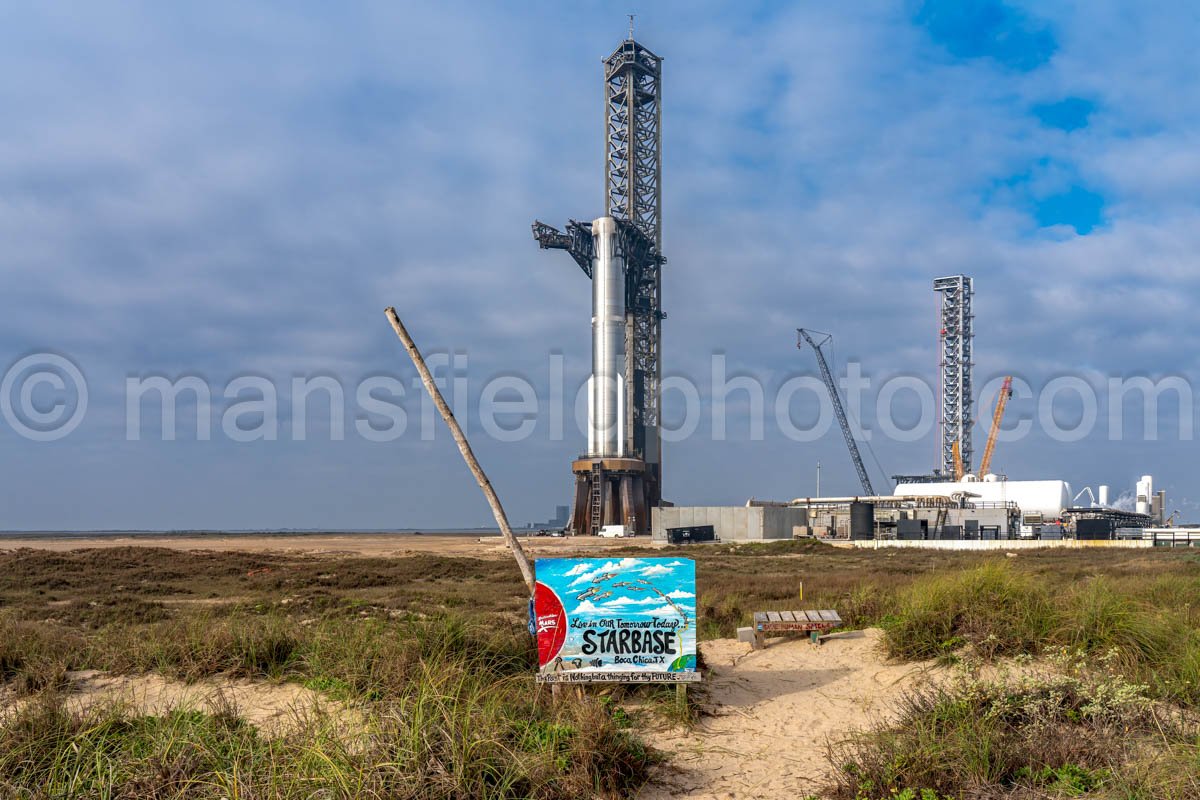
point(814, 623)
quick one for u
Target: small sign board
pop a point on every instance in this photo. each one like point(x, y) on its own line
point(627, 620)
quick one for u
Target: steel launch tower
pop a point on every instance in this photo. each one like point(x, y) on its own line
point(955, 418)
point(619, 479)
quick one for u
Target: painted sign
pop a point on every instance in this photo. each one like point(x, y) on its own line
point(628, 620)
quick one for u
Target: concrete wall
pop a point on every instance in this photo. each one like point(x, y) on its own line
point(778, 523)
point(1012, 544)
point(731, 523)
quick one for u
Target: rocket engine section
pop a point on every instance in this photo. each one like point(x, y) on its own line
point(606, 395)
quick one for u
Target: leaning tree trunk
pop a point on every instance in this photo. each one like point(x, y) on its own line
point(464, 447)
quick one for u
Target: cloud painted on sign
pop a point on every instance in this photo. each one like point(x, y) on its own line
point(655, 569)
point(588, 607)
point(608, 566)
point(630, 601)
point(679, 594)
point(663, 611)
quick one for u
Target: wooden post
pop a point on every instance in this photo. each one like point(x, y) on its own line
point(681, 699)
point(464, 447)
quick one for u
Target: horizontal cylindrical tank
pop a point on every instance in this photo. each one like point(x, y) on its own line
point(1048, 498)
point(606, 412)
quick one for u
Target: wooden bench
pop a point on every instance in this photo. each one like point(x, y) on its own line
point(814, 623)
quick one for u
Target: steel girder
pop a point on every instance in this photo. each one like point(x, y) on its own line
point(633, 192)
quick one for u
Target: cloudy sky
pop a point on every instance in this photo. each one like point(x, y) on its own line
point(231, 191)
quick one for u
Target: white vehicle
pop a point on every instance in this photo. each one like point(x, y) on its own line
point(613, 532)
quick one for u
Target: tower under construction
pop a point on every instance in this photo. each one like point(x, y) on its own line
point(955, 416)
point(619, 479)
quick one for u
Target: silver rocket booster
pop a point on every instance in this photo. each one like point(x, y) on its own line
point(606, 395)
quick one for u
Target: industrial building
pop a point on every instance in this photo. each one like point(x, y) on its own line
point(758, 522)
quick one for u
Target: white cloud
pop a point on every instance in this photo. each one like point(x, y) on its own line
point(837, 140)
point(679, 594)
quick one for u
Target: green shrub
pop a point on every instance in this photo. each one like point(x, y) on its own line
point(993, 608)
point(1065, 734)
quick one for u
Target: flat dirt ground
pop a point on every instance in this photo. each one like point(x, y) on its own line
point(383, 544)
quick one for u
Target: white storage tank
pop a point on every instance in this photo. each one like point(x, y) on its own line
point(1048, 498)
point(1144, 490)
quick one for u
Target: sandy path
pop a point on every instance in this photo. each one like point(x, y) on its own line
point(273, 708)
point(772, 711)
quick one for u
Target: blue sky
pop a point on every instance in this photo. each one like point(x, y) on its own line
point(228, 190)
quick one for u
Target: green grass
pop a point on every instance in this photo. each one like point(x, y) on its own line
point(450, 705)
point(433, 654)
point(1076, 732)
point(994, 610)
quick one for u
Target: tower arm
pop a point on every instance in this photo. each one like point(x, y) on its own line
point(836, 398)
point(640, 253)
point(577, 241)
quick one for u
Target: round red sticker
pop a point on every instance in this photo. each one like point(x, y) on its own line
point(551, 620)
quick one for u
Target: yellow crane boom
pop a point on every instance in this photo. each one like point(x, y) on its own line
point(959, 471)
point(1001, 402)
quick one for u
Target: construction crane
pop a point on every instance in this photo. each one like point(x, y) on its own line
point(959, 469)
point(827, 376)
point(1001, 402)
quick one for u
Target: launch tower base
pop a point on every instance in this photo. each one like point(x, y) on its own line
point(610, 491)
